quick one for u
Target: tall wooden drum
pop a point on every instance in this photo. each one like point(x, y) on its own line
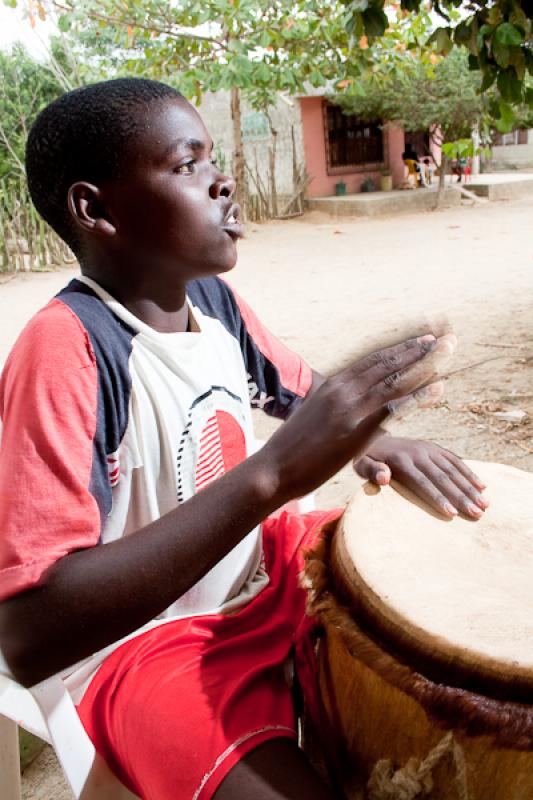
point(426, 657)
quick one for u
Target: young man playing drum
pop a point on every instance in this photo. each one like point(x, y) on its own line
point(123, 398)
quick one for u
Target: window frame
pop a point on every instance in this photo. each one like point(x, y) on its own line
point(368, 166)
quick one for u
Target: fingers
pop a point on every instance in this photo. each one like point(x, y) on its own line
point(425, 488)
point(383, 362)
point(399, 409)
point(400, 370)
point(464, 469)
point(462, 493)
point(375, 471)
point(443, 487)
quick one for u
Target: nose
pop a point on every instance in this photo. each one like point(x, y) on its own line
point(222, 186)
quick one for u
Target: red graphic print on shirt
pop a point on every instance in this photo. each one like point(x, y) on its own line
point(222, 447)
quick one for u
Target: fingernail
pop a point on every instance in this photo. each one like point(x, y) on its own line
point(382, 477)
point(482, 501)
point(449, 509)
point(474, 510)
point(435, 389)
point(446, 345)
point(428, 337)
point(430, 394)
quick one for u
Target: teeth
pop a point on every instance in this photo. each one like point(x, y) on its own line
point(232, 220)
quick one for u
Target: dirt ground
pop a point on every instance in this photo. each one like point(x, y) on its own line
point(330, 289)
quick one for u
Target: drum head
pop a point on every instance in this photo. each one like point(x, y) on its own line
point(453, 598)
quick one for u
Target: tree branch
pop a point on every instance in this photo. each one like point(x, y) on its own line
point(14, 156)
point(125, 23)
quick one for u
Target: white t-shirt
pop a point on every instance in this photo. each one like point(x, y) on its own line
point(108, 424)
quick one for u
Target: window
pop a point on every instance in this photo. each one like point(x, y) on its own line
point(514, 137)
point(350, 141)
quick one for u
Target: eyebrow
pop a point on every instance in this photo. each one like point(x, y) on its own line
point(192, 144)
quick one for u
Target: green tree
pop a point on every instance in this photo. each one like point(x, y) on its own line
point(497, 34)
point(26, 241)
point(253, 50)
point(25, 87)
point(440, 98)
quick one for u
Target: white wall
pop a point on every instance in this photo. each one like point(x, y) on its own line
point(514, 155)
point(216, 113)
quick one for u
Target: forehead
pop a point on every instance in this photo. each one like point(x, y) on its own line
point(170, 127)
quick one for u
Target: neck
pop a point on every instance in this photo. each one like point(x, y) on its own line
point(161, 319)
point(163, 308)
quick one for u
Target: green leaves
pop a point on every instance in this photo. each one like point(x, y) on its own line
point(358, 5)
point(461, 148)
point(286, 44)
point(509, 86)
point(507, 34)
point(443, 41)
point(64, 22)
point(375, 21)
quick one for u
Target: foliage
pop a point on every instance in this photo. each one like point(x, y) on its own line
point(441, 98)
point(497, 34)
point(26, 241)
point(261, 48)
point(26, 86)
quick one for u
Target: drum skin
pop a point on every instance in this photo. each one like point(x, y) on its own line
point(418, 716)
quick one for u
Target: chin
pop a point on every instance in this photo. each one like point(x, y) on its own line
point(221, 266)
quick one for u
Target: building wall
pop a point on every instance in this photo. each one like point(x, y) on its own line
point(514, 155)
point(323, 184)
point(216, 112)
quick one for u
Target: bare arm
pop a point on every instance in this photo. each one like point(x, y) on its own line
point(95, 596)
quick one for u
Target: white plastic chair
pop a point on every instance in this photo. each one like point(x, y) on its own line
point(47, 711)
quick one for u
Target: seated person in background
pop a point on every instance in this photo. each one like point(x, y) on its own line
point(410, 154)
point(462, 167)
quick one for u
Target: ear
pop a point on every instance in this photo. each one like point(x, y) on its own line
point(86, 206)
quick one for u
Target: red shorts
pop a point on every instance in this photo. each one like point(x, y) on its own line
point(174, 709)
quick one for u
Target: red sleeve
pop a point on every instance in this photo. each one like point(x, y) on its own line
point(294, 373)
point(48, 400)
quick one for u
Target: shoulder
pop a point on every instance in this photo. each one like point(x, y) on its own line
point(53, 338)
point(216, 299)
point(107, 333)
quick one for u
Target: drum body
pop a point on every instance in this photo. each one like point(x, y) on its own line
point(426, 656)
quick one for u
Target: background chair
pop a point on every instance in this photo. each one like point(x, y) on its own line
point(413, 175)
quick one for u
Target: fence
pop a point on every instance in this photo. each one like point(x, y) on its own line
point(26, 241)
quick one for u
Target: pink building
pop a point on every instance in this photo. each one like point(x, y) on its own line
point(341, 148)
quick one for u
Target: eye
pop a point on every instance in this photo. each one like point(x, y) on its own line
point(186, 169)
point(214, 162)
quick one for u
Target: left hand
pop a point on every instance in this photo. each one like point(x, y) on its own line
point(431, 472)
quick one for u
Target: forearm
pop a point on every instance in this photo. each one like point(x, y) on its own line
point(94, 597)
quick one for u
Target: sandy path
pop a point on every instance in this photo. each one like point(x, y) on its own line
point(328, 289)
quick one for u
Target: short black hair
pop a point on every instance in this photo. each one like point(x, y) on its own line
point(82, 136)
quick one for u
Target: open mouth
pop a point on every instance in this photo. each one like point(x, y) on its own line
point(232, 222)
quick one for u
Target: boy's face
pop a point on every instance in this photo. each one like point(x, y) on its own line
point(173, 209)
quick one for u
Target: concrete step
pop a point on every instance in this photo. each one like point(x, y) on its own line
point(369, 204)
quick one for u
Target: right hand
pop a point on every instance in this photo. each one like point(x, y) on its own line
point(341, 419)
